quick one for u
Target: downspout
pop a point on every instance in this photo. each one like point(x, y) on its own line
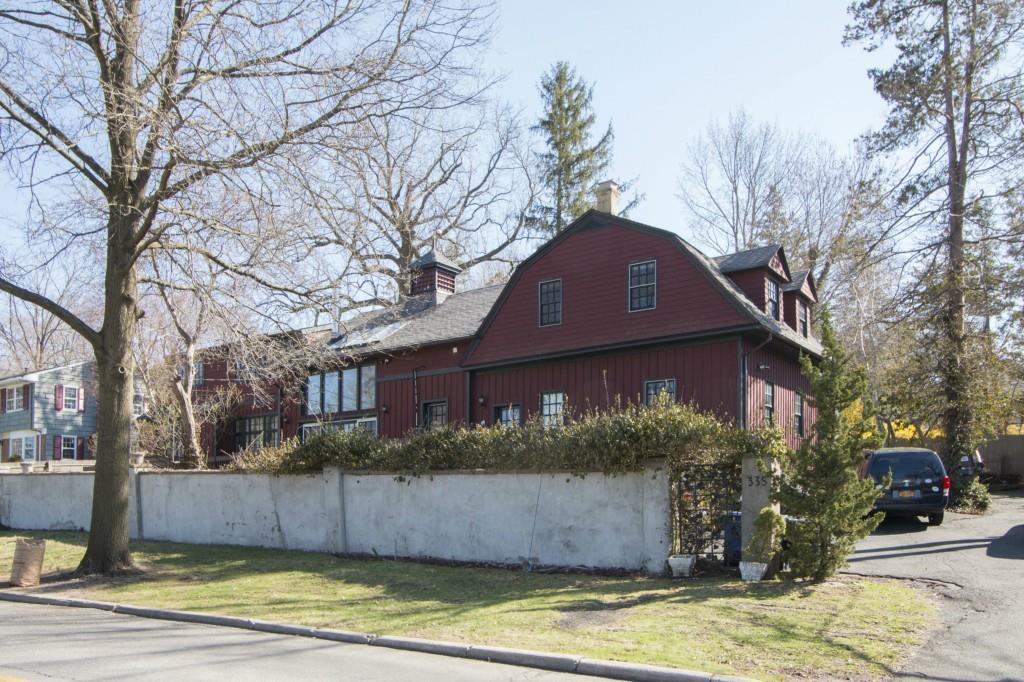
point(416, 396)
point(744, 373)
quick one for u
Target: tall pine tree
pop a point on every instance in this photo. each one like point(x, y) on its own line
point(819, 484)
point(571, 165)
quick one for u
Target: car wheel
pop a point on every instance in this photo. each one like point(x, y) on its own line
point(936, 519)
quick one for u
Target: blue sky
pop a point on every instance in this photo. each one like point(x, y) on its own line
point(661, 70)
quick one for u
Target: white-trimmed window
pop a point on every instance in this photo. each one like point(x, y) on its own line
point(71, 398)
point(798, 414)
point(138, 405)
point(15, 399)
point(68, 447)
point(643, 285)
point(655, 387)
point(769, 403)
point(773, 298)
point(803, 321)
point(28, 448)
point(552, 406)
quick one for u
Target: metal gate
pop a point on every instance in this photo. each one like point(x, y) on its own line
point(703, 495)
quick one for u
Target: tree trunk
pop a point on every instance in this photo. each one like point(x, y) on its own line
point(107, 551)
point(192, 454)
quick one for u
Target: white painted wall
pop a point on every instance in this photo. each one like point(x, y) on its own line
point(554, 519)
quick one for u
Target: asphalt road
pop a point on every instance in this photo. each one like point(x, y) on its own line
point(978, 565)
point(60, 643)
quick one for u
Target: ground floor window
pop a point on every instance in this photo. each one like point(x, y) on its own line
point(68, 447)
point(769, 403)
point(435, 414)
point(316, 428)
point(654, 388)
point(24, 448)
point(798, 414)
point(258, 431)
point(508, 415)
point(552, 404)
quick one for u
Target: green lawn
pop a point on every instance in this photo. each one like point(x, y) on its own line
point(848, 628)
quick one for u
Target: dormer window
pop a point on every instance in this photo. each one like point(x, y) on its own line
point(642, 285)
point(802, 318)
point(773, 298)
point(549, 296)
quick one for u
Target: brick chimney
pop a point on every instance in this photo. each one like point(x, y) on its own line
point(432, 273)
point(608, 197)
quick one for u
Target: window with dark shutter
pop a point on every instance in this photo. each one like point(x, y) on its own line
point(642, 285)
point(550, 302)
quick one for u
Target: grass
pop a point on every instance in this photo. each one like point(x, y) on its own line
point(847, 628)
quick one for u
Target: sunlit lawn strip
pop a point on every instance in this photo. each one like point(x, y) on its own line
point(857, 628)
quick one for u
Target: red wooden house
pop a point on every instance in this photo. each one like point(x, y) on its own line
point(609, 310)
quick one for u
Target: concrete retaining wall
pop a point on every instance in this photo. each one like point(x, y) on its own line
point(555, 519)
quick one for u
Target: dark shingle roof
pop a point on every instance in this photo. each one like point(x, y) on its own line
point(433, 258)
point(713, 270)
point(760, 257)
point(418, 322)
point(796, 280)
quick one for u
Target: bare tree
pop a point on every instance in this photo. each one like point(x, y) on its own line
point(111, 113)
point(33, 338)
point(458, 182)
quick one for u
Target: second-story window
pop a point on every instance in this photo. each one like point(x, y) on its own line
point(773, 298)
point(550, 302)
point(15, 398)
point(642, 285)
point(331, 392)
point(314, 402)
point(769, 403)
point(803, 322)
point(71, 398)
point(199, 372)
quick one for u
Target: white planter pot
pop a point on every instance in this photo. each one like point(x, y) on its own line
point(27, 467)
point(138, 460)
point(682, 565)
point(752, 571)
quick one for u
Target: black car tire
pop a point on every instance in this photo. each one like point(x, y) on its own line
point(936, 518)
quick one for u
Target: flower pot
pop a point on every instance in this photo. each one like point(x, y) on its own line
point(682, 565)
point(752, 571)
point(27, 467)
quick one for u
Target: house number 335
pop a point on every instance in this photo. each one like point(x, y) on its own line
point(756, 481)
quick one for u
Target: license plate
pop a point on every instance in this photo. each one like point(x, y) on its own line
point(904, 493)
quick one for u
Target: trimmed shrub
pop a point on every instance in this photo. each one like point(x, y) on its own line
point(621, 439)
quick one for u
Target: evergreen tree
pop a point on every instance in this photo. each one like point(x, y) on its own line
point(571, 165)
point(819, 484)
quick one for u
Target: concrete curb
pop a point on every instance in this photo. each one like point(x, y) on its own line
point(519, 657)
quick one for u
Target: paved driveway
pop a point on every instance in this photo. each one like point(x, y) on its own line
point(60, 643)
point(978, 563)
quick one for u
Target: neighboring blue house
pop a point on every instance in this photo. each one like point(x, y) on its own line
point(50, 414)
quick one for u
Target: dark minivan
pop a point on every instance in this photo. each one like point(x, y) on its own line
point(920, 486)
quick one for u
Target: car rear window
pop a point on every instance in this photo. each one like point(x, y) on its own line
point(906, 465)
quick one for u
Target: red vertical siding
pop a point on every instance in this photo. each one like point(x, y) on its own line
point(767, 364)
point(593, 265)
point(706, 374)
point(754, 284)
point(399, 401)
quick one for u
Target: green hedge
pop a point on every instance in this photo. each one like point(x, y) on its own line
point(621, 439)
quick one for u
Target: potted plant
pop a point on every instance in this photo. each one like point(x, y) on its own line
point(26, 466)
point(764, 545)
